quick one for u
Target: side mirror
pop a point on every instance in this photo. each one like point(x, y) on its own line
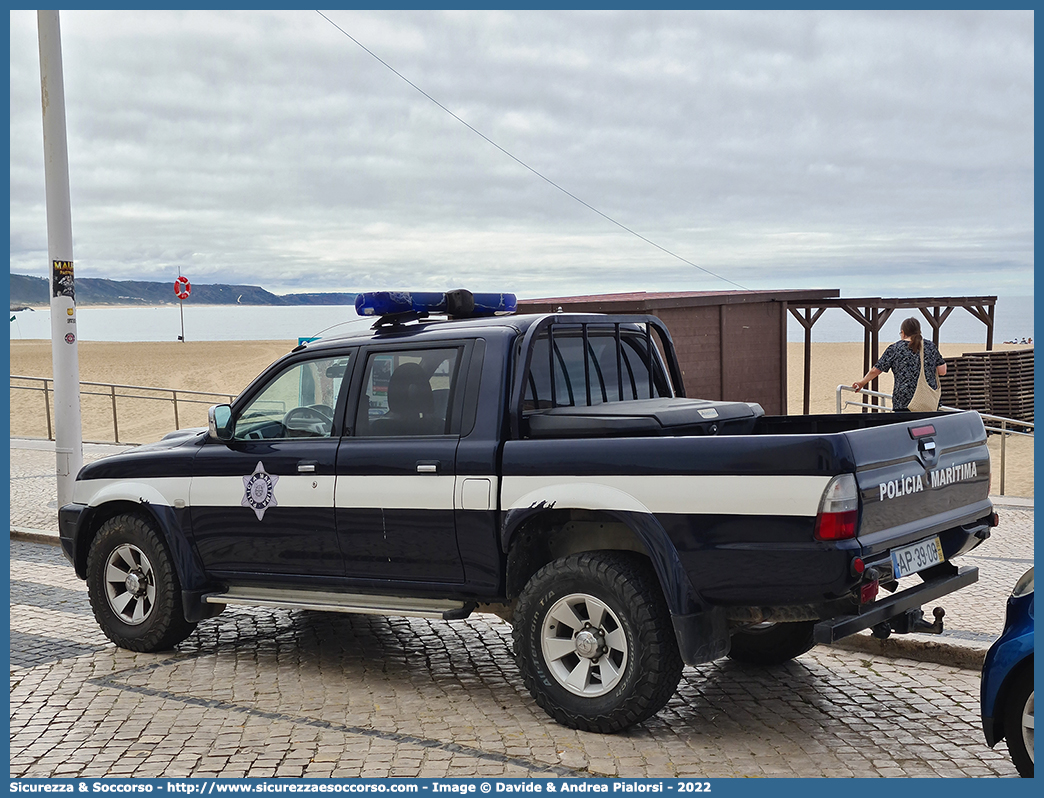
point(220, 422)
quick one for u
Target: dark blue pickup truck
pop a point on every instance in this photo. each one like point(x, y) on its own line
point(547, 468)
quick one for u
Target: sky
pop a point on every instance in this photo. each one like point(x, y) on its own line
point(881, 153)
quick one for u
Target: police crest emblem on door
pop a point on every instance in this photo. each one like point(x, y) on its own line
point(259, 491)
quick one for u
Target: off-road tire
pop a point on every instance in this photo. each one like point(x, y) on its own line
point(641, 665)
point(1018, 701)
point(130, 543)
point(772, 643)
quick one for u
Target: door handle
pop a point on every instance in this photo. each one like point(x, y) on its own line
point(428, 467)
point(306, 467)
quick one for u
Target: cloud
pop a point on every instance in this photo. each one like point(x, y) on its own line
point(779, 149)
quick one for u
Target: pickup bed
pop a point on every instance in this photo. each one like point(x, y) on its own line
point(547, 468)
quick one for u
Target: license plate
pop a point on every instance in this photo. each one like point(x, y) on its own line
point(911, 559)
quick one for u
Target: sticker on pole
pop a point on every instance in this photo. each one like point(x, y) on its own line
point(62, 279)
point(182, 288)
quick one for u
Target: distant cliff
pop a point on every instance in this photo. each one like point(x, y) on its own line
point(28, 290)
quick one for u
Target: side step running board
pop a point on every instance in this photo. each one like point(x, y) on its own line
point(343, 602)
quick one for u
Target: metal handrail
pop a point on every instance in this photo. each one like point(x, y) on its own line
point(175, 393)
point(1003, 429)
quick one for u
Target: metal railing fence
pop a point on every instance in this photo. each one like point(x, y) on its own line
point(998, 424)
point(174, 396)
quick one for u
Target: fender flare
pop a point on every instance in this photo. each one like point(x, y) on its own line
point(681, 595)
point(145, 498)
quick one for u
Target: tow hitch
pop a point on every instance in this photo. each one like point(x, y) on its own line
point(910, 621)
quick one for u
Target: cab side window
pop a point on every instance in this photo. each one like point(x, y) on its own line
point(298, 402)
point(407, 392)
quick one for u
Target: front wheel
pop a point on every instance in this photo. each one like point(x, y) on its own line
point(594, 641)
point(133, 587)
point(772, 643)
point(1018, 722)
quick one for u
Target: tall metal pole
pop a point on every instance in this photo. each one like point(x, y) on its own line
point(181, 307)
point(68, 433)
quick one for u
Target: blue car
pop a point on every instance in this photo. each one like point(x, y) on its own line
point(1007, 680)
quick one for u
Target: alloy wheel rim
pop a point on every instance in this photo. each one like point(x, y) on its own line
point(130, 584)
point(1027, 725)
point(584, 645)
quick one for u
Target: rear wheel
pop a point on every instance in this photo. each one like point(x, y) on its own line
point(133, 587)
point(594, 641)
point(1018, 722)
point(771, 643)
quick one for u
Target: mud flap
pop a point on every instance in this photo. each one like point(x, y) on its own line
point(702, 636)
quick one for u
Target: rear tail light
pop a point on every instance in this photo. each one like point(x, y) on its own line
point(838, 509)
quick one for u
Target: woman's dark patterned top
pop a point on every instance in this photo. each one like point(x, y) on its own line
point(903, 364)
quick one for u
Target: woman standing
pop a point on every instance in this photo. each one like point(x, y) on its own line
point(903, 358)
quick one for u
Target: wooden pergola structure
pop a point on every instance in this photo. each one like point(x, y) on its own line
point(873, 312)
point(731, 345)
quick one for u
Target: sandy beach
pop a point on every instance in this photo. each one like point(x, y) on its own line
point(228, 367)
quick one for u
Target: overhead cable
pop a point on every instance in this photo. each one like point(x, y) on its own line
point(522, 163)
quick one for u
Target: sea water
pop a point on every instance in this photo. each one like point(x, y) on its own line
point(201, 322)
point(1013, 319)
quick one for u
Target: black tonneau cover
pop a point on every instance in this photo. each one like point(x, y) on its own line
point(645, 417)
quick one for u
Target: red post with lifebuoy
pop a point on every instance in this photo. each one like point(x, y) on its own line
point(182, 289)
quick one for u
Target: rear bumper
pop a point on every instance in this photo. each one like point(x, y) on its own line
point(834, 629)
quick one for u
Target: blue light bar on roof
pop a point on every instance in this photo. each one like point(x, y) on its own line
point(493, 304)
point(460, 304)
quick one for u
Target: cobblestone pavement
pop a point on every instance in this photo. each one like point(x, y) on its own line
point(260, 693)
